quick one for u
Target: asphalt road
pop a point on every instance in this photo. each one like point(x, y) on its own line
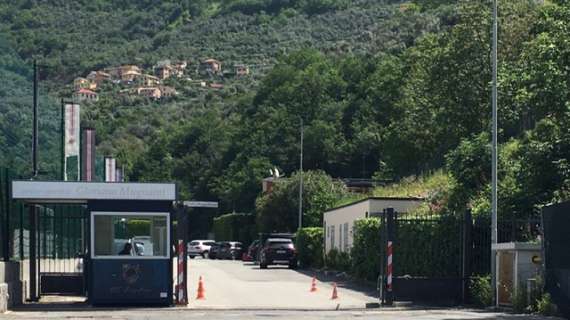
point(236, 290)
point(238, 285)
point(179, 314)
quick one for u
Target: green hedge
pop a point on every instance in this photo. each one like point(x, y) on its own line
point(339, 261)
point(235, 227)
point(310, 247)
point(366, 249)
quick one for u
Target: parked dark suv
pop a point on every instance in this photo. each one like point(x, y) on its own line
point(231, 250)
point(278, 251)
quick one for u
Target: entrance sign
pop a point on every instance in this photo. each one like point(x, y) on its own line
point(80, 192)
point(201, 204)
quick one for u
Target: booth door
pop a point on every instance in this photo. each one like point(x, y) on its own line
point(506, 264)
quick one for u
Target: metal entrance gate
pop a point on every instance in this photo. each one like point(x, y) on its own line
point(61, 247)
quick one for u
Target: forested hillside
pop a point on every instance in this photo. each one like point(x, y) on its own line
point(386, 89)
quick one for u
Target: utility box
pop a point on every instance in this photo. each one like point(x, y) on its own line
point(517, 262)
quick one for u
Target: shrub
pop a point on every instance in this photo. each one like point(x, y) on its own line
point(366, 249)
point(337, 260)
point(235, 227)
point(545, 306)
point(309, 246)
point(481, 291)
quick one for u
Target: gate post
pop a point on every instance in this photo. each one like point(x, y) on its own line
point(33, 253)
point(467, 251)
point(390, 237)
point(182, 267)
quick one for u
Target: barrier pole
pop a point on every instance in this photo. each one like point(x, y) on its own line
point(390, 235)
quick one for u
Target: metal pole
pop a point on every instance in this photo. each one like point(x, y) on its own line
point(301, 181)
point(494, 153)
point(35, 124)
point(33, 254)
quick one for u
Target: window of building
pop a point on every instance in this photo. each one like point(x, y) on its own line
point(346, 236)
point(133, 235)
point(340, 237)
point(332, 237)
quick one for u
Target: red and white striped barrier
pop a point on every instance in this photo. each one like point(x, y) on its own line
point(389, 271)
point(180, 286)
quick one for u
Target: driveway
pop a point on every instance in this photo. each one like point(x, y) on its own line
point(238, 285)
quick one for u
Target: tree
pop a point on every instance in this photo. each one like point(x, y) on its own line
point(278, 209)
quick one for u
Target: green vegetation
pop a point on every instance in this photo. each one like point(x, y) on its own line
point(309, 245)
point(385, 89)
point(235, 227)
point(366, 249)
point(481, 290)
point(278, 210)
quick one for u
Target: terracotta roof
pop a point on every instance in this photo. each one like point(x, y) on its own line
point(86, 91)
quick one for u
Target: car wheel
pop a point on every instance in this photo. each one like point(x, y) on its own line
point(204, 254)
point(292, 266)
point(192, 257)
point(262, 266)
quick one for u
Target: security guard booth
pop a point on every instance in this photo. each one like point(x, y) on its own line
point(128, 259)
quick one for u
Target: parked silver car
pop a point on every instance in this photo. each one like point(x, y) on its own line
point(199, 248)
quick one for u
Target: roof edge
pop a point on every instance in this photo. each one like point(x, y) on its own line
point(376, 198)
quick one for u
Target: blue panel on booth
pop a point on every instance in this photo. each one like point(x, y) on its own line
point(130, 281)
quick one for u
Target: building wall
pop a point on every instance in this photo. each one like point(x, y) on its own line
point(11, 285)
point(336, 219)
point(339, 223)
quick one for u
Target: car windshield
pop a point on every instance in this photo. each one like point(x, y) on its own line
point(194, 243)
point(209, 243)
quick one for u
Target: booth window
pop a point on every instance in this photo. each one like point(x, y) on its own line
point(121, 235)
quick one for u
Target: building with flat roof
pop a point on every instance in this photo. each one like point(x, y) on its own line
point(338, 223)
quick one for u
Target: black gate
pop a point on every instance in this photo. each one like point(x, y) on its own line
point(62, 243)
point(556, 254)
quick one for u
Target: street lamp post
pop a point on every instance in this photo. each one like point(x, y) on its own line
point(301, 182)
point(494, 154)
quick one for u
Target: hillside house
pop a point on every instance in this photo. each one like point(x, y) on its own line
point(163, 69)
point(241, 70)
point(83, 83)
point(167, 92)
point(338, 223)
point(179, 68)
point(130, 73)
point(85, 95)
point(113, 72)
point(149, 80)
point(212, 66)
point(98, 77)
point(149, 92)
point(216, 86)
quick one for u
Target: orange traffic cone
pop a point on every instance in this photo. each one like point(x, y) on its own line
point(314, 285)
point(201, 290)
point(335, 293)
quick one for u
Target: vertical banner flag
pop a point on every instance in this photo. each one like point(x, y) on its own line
point(110, 169)
point(71, 131)
point(88, 163)
point(119, 175)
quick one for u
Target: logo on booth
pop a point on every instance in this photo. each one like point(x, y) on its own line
point(131, 273)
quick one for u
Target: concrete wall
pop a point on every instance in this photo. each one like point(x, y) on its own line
point(11, 285)
point(339, 222)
